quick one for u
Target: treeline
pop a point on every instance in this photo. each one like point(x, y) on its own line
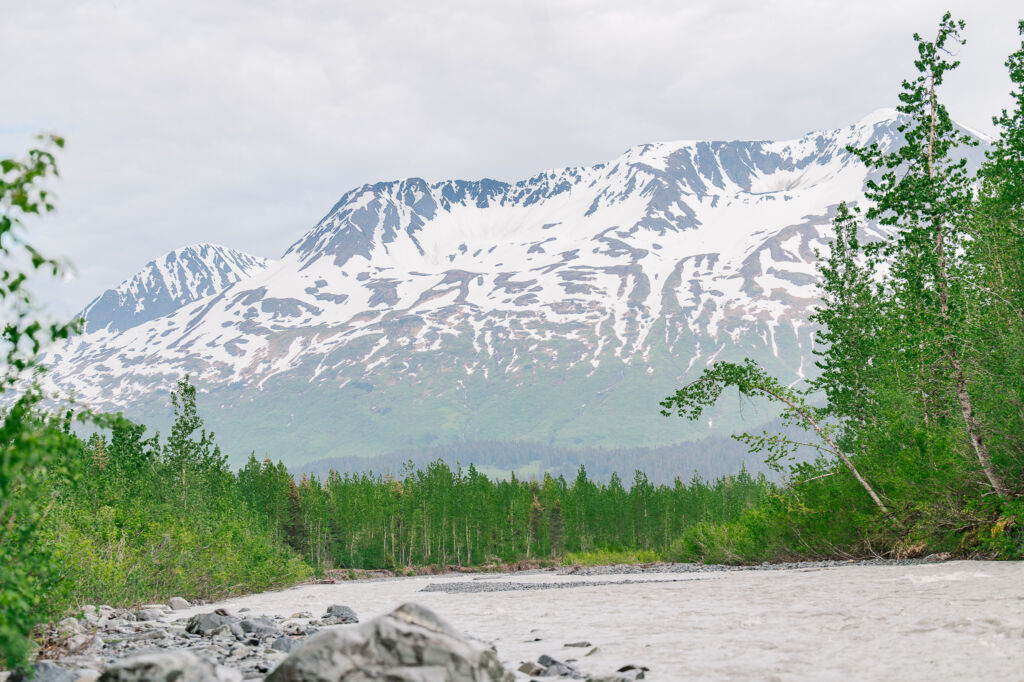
point(437, 515)
point(921, 352)
point(709, 458)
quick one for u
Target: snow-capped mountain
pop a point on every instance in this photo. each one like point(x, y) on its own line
point(560, 308)
point(168, 283)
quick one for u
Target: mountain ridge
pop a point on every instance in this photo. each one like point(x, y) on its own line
point(167, 283)
point(558, 309)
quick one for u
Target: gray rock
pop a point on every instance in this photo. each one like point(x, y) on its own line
point(582, 644)
point(86, 675)
point(259, 626)
point(531, 668)
point(177, 603)
point(410, 644)
point(556, 668)
point(69, 626)
point(205, 623)
point(227, 631)
point(83, 643)
point(283, 643)
point(291, 627)
point(337, 613)
point(148, 614)
point(167, 666)
point(150, 634)
point(633, 672)
point(45, 671)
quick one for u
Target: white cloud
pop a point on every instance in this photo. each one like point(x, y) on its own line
point(241, 122)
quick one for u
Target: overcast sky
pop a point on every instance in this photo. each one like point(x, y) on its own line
point(242, 121)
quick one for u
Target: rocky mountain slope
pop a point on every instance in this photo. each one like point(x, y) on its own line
point(169, 283)
point(558, 309)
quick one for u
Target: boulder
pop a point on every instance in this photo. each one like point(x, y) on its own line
point(86, 675)
point(205, 623)
point(167, 666)
point(148, 614)
point(177, 603)
point(283, 643)
point(555, 668)
point(259, 626)
point(410, 644)
point(532, 669)
point(77, 644)
point(338, 614)
point(45, 671)
point(69, 626)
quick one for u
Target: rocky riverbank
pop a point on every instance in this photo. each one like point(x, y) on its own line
point(864, 620)
point(411, 643)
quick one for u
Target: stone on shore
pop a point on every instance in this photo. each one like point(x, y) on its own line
point(259, 626)
point(410, 644)
point(148, 614)
point(555, 668)
point(531, 668)
point(44, 671)
point(167, 666)
point(177, 603)
point(340, 615)
point(206, 623)
point(284, 643)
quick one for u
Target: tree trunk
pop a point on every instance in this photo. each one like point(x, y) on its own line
point(960, 380)
point(835, 448)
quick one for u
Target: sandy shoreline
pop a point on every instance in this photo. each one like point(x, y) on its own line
point(954, 620)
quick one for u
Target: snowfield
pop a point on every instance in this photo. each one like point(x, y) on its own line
point(955, 620)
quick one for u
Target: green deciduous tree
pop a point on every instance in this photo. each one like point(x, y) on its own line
point(30, 445)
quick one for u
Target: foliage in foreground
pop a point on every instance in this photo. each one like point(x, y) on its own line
point(922, 361)
point(27, 442)
point(141, 522)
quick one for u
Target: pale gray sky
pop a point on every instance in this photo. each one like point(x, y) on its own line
point(242, 121)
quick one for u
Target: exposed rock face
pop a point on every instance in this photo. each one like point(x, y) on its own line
point(168, 283)
point(410, 644)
